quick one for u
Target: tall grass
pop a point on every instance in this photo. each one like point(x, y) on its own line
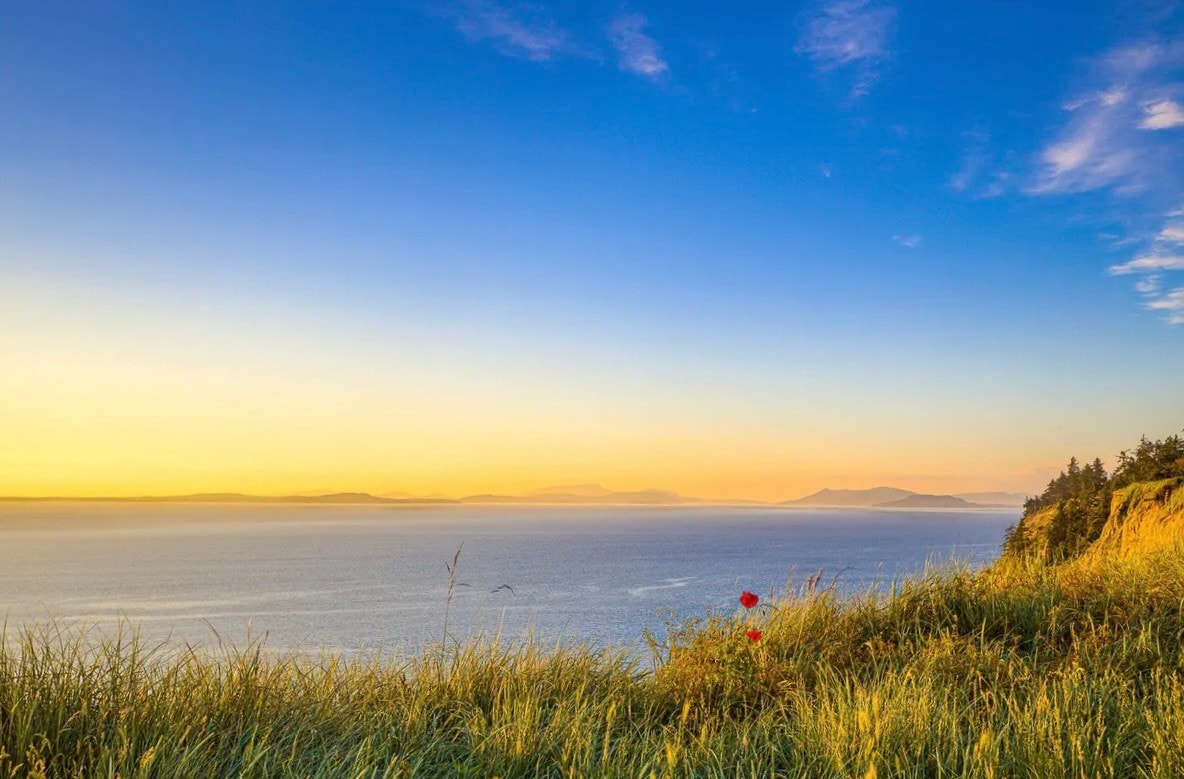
point(1021, 671)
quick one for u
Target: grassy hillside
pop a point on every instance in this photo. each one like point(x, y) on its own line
point(1025, 670)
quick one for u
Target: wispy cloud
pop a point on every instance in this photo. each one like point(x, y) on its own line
point(907, 241)
point(1151, 262)
point(637, 52)
point(1164, 253)
point(1162, 115)
point(1148, 286)
point(1105, 143)
point(520, 30)
point(1171, 233)
point(973, 160)
point(1172, 303)
point(1120, 138)
point(849, 34)
point(978, 174)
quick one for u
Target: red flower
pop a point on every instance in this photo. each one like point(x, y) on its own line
point(748, 599)
point(753, 635)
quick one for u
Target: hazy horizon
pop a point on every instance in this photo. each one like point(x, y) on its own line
point(534, 495)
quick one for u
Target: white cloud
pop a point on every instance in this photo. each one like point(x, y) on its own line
point(1112, 97)
point(636, 52)
point(523, 31)
point(1172, 303)
point(908, 241)
point(1104, 146)
point(1148, 286)
point(1087, 157)
point(1162, 115)
point(1108, 98)
point(1150, 262)
point(849, 33)
point(1171, 233)
point(1101, 145)
point(1160, 256)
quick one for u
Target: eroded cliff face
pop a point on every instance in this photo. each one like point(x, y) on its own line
point(1143, 516)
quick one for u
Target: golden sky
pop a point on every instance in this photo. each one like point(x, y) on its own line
point(128, 406)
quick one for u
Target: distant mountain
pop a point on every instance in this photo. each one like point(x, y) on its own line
point(582, 490)
point(994, 498)
point(894, 497)
point(587, 494)
point(851, 498)
point(235, 497)
point(929, 502)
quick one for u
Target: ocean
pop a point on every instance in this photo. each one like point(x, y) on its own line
point(350, 578)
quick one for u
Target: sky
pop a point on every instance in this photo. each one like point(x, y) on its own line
point(488, 246)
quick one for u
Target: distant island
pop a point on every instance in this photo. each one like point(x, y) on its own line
point(578, 495)
point(930, 502)
point(333, 498)
point(851, 498)
point(894, 497)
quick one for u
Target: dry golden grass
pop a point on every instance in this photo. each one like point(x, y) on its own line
point(1022, 671)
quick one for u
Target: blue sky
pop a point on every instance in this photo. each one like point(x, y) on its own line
point(918, 222)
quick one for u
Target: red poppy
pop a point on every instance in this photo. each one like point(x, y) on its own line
point(753, 635)
point(748, 599)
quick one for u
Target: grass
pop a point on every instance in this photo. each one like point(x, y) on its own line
point(1021, 671)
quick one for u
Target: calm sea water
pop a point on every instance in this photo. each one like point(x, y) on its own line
point(352, 577)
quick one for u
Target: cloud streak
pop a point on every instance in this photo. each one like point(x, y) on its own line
point(1172, 233)
point(637, 52)
point(1106, 143)
point(849, 34)
point(523, 31)
point(1151, 262)
point(1173, 304)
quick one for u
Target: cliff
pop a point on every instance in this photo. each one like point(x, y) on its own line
point(1143, 516)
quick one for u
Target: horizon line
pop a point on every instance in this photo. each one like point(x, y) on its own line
point(537, 495)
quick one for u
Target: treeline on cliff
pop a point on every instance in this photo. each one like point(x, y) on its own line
point(1079, 498)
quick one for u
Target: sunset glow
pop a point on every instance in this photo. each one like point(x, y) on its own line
point(315, 263)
